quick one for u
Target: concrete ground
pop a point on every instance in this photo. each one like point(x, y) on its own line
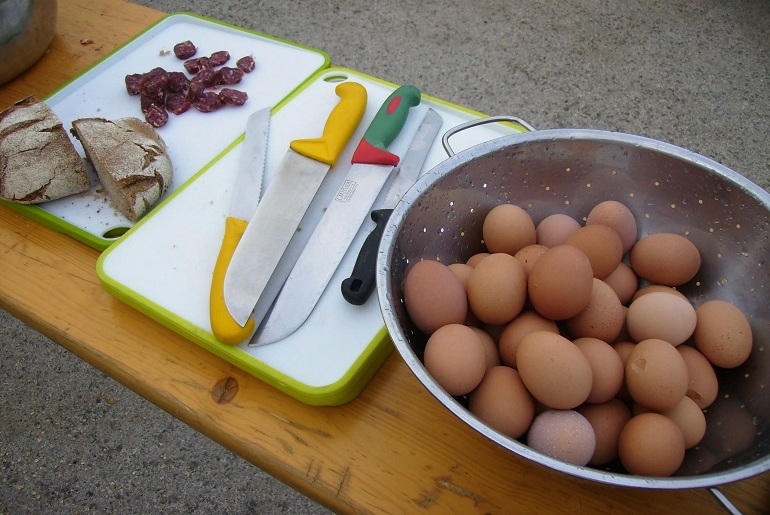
point(692, 73)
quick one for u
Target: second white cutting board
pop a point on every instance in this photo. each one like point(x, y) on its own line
point(163, 266)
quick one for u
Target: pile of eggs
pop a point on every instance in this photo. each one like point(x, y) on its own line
point(551, 340)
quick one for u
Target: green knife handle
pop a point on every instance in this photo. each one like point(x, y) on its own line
point(357, 288)
point(385, 126)
point(340, 125)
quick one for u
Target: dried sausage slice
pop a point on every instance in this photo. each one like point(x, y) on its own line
point(233, 96)
point(246, 64)
point(207, 102)
point(185, 50)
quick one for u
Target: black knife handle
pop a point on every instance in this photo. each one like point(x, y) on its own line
point(357, 288)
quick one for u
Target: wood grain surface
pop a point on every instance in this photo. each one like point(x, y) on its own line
point(393, 449)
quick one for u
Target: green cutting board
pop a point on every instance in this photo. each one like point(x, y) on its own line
point(192, 138)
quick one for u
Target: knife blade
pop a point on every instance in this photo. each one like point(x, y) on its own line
point(357, 288)
point(247, 192)
point(284, 203)
point(372, 165)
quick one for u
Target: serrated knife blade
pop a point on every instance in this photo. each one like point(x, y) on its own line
point(246, 196)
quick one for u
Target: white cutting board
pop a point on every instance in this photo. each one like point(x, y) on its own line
point(193, 138)
point(163, 266)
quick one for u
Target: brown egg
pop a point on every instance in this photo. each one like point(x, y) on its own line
point(563, 434)
point(606, 369)
point(476, 259)
point(650, 288)
point(651, 444)
point(723, 334)
point(704, 386)
point(616, 215)
point(490, 347)
point(527, 322)
point(623, 336)
point(529, 254)
point(624, 281)
point(502, 401)
point(497, 289)
point(560, 283)
point(661, 315)
point(554, 370)
point(433, 296)
point(555, 229)
point(602, 318)
point(462, 271)
point(508, 228)
point(656, 375)
point(665, 258)
point(688, 416)
point(624, 348)
point(455, 357)
point(607, 420)
point(756, 393)
point(602, 246)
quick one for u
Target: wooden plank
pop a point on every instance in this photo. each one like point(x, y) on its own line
point(378, 450)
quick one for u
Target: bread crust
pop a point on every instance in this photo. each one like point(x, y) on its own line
point(38, 161)
point(130, 159)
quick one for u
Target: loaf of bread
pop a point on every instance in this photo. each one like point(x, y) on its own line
point(38, 161)
point(130, 159)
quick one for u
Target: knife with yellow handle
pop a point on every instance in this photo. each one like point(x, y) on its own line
point(246, 197)
point(372, 166)
point(251, 281)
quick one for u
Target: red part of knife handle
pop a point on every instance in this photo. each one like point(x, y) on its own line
point(367, 153)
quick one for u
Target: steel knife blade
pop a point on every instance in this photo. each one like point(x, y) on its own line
point(246, 195)
point(372, 165)
point(357, 288)
point(284, 203)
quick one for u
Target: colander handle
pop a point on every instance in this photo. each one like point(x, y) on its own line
point(481, 121)
point(722, 498)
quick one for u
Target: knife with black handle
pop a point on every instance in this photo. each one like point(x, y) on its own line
point(357, 288)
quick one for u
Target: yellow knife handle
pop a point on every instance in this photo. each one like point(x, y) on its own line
point(224, 326)
point(340, 125)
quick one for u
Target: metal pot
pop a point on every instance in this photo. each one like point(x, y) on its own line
point(26, 30)
point(668, 189)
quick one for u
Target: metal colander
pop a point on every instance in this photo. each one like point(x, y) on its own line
point(668, 189)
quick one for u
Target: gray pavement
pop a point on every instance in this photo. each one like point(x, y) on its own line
point(692, 73)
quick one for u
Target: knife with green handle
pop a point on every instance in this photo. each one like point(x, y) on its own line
point(249, 281)
point(372, 165)
point(357, 288)
point(246, 195)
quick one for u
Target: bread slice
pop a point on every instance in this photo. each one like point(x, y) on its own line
point(130, 159)
point(38, 161)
